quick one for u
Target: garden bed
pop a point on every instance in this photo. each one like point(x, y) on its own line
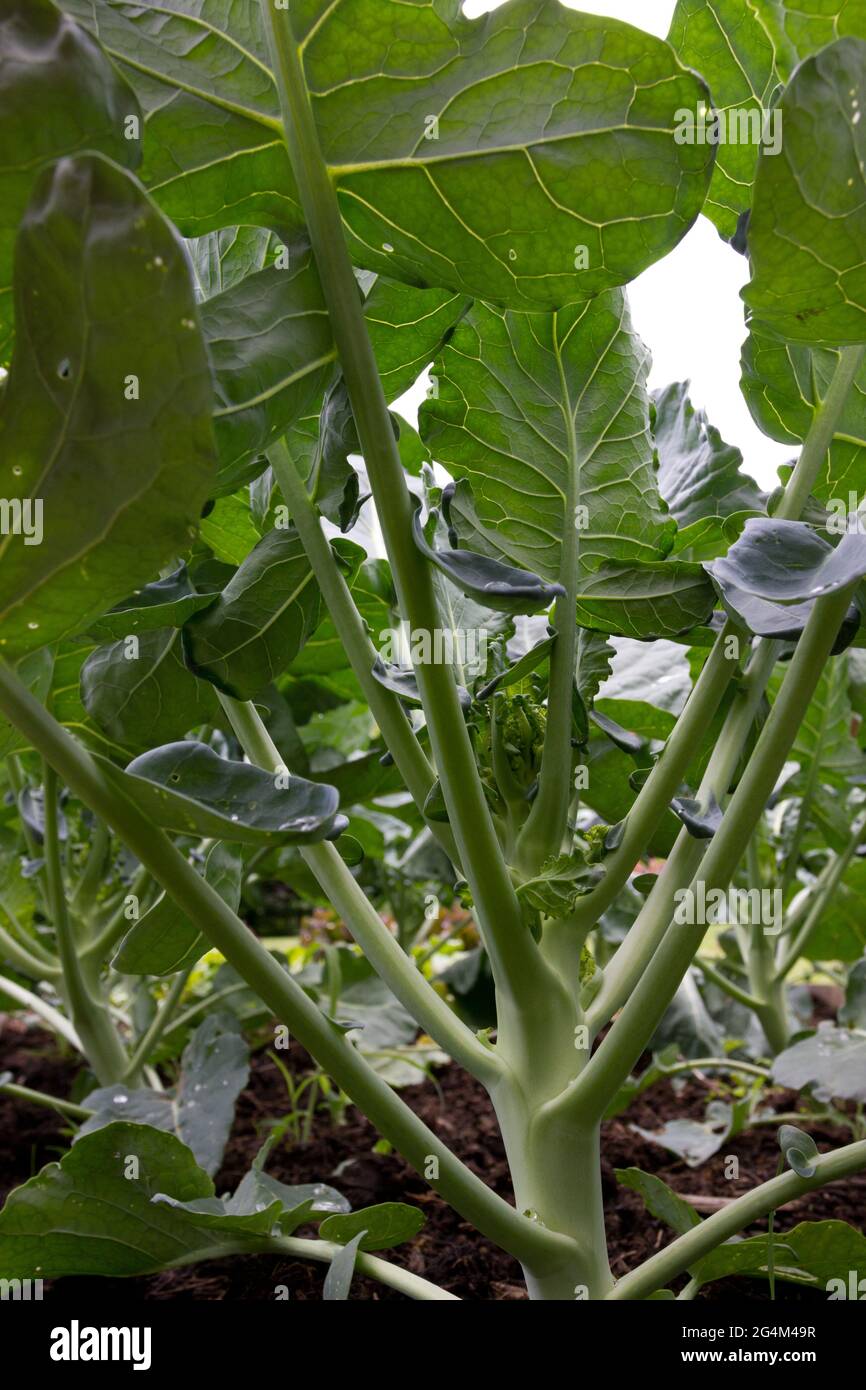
point(447, 1250)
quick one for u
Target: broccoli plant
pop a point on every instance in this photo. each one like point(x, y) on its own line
point(232, 238)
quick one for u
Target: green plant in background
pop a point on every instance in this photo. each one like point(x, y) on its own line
point(207, 667)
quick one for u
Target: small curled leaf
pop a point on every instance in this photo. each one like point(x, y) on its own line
point(504, 588)
point(799, 1150)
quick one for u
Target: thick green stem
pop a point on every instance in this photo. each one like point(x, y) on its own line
point(157, 1027)
point(636, 951)
point(324, 1251)
point(681, 1254)
point(384, 704)
point(649, 928)
point(622, 1047)
point(730, 987)
point(538, 1249)
point(39, 1006)
point(382, 950)
point(517, 964)
point(92, 1021)
point(666, 777)
point(23, 960)
point(825, 889)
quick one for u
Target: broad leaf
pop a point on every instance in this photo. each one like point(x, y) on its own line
point(660, 1201)
point(93, 1213)
point(105, 418)
point(813, 196)
point(462, 156)
point(785, 384)
point(533, 408)
point(259, 622)
point(50, 66)
point(139, 692)
point(164, 940)
point(833, 1060)
point(214, 1071)
point(487, 581)
point(166, 602)
point(699, 476)
point(382, 1226)
point(189, 789)
point(771, 577)
point(270, 343)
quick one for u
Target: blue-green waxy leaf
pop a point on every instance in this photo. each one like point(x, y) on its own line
point(105, 419)
point(808, 223)
point(833, 1060)
point(259, 622)
point(800, 1150)
point(462, 155)
point(389, 1223)
point(164, 940)
point(338, 1279)
point(139, 692)
point(200, 1109)
point(489, 582)
point(699, 476)
point(701, 820)
point(189, 789)
point(166, 602)
point(59, 95)
point(785, 562)
point(403, 682)
point(215, 1068)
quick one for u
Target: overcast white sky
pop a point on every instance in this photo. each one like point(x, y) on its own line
point(687, 308)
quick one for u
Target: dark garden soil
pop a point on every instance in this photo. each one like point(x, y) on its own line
point(447, 1250)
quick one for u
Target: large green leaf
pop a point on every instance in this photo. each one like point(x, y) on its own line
point(140, 692)
point(105, 305)
point(131, 1199)
point(260, 621)
point(273, 355)
point(58, 95)
point(808, 224)
point(785, 384)
point(164, 603)
point(269, 338)
point(213, 150)
point(700, 477)
point(727, 42)
point(744, 51)
point(833, 1059)
point(533, 407)
point(94, 1213)
point(463, 155)
point(200, 1111)
point(841, 930)
point(164, 940)
point(527, 404)
point(187, 788)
